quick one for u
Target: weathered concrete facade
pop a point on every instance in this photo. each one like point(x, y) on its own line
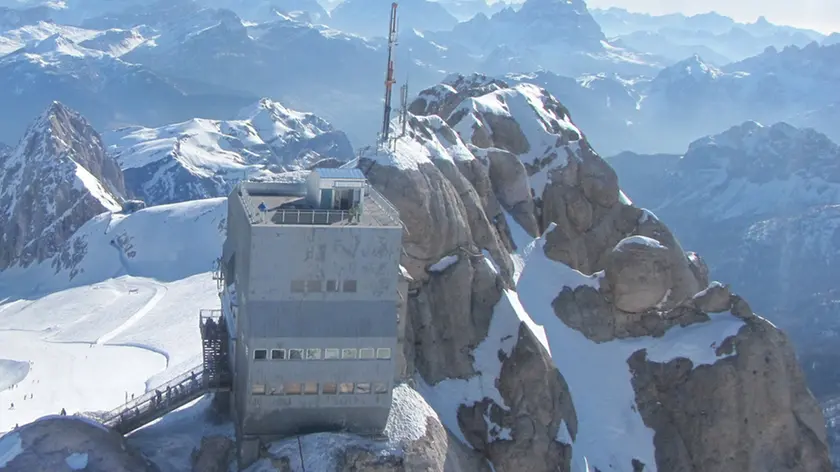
point(314, 319)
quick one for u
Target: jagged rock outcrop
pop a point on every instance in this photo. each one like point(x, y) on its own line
point(69, 443)
point(644, 289)
point(750, 412)
point(57, 178)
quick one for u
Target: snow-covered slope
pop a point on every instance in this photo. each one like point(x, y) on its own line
point(202, 158)
point(100, 304)
point(56, 179)
point(13, 39)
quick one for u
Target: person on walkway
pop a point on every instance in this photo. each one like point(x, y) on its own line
point(63, 412)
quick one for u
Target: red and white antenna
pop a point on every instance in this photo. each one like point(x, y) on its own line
point(389, 78)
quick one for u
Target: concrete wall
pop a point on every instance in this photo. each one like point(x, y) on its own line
point(271, 316)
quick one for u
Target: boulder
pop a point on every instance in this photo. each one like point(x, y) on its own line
point(638, 274)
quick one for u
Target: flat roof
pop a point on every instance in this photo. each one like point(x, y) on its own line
point(286, 204)
point(352, 173)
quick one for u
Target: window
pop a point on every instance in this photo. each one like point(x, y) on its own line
point(310, 388)
point(363, 388)
point(313, 286)
point(345, 388)
point(276, 390)
point(383, 353)
point(292, 388)
point(349, 353)
point(258, 389)
point(295, 354)
point(330, 353)
point(298, 286)
point(366, 353)
point(332, 285)
point(380, 388)
point(260, 354)
point(349, 285)
point(278, 354)
point(329, 388)
point(313, 354)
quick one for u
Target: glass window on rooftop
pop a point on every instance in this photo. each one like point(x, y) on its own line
point(349, 286)
point(260, 354)
point(366, 353)
point(278, 354)
point(313, 354)
point(329, 388)
point(383, 353)
point(348, 353)
point(292, 388)
point(363, 388)
point(346, 387)
point(331, 353)
point(332, 285)
point(310, 388)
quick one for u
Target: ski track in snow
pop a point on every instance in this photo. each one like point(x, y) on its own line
point(160, 292)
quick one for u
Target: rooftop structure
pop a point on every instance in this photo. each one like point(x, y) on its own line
point(327, 197)
point(309, 277)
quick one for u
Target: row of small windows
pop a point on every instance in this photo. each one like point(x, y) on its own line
point(311, 354)
point(316, 286)
point(312, 388)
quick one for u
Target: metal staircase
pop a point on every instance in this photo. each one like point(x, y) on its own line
point(211, 376)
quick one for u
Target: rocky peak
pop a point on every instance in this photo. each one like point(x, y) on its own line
point(504, 385)
point(204, 158)
point(56, 179)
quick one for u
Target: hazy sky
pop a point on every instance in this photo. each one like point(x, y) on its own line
point(821, 15)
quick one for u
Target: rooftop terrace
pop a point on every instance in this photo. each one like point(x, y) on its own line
point(280, 203)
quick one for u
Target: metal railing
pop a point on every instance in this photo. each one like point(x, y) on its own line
point(158, 400)
point(310, 216)
point(384, 205)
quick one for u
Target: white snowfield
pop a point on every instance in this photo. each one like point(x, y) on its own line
point(127, 321)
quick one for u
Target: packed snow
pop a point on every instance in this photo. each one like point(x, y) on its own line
point(78, 336)
point(443, 263)
point(641, 240)
point(410, 151)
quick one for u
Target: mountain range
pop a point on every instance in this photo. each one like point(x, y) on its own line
point(546, 307)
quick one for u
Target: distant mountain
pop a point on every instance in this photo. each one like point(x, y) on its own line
point(369, 18)
point(204, 158)
point(761, 204)
point(15, 17)
point(718, 39)
point(264, 10)
point(109, 91)
point(556, 35)
point(55, 180)
point(832, 39)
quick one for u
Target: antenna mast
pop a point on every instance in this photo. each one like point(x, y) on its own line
point(389, 78)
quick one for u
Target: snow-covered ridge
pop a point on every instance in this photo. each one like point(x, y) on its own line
point(428, 138)
point(17, 38)
point(203, 158)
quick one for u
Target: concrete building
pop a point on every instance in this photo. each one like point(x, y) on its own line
point(310, 295)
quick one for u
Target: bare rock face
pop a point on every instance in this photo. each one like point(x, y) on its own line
point(214, 455)
point(749, 412)
point(56, 179)
point(638, 274)
point(70, 443)
point(524, 435)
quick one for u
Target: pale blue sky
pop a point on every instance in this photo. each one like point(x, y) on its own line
point(820, 15)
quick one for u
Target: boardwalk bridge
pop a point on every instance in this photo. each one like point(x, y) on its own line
point(212, 375)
